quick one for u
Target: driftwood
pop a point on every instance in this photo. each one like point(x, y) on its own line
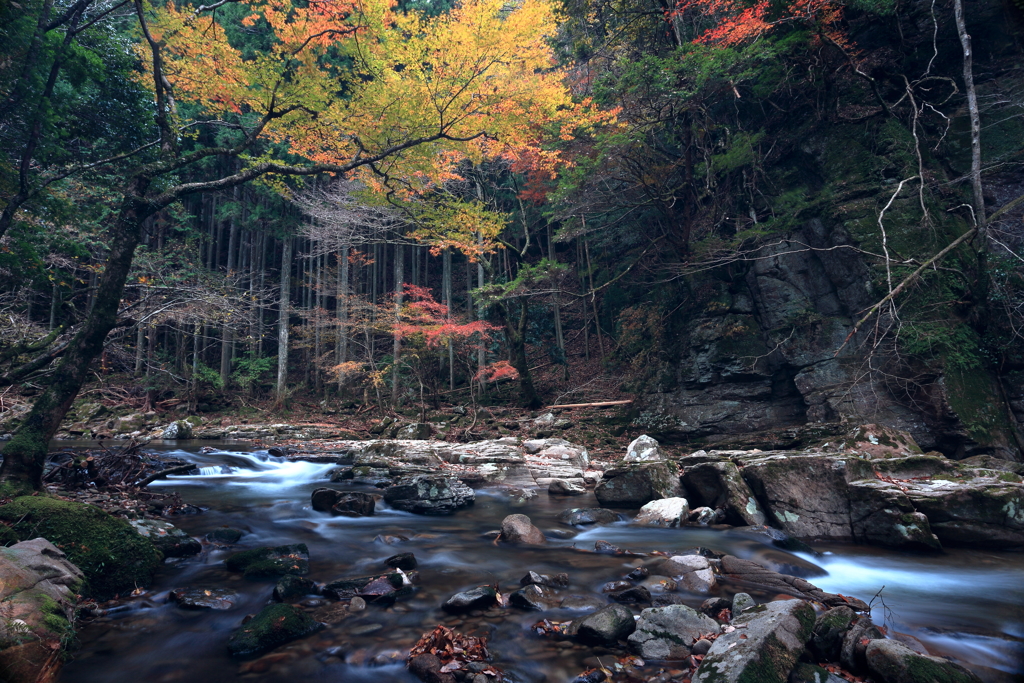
point(180, 469)
point(599, 404)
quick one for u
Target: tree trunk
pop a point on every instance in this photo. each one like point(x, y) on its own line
point(25, 454)
point(397, 348)
point(341, 310)
point(282, 320)
point(516, 333)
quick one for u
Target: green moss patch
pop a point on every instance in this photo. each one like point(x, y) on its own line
point(113, 557)
point(260, 563)
point(274, 625)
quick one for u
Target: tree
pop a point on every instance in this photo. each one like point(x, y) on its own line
point(344, 89)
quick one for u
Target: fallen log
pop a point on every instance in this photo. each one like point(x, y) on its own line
point(180, 469)
point(599, 404)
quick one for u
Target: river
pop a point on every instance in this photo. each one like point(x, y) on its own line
point(965, 604)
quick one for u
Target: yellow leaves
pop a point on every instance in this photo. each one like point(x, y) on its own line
point(422, 93)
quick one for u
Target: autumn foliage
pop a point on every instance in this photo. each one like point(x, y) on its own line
point(736, 21)
point(359, 80)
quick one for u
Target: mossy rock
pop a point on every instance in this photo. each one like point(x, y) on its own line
point(261, 563)
point(274, 625)
point(114, 558)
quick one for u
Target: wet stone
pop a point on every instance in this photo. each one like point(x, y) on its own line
point(481, 597)
point(586, 516)
point(290, 587)
point(204, 598)
point(274, 625)
point(225, 535)
point(270, 562)
point(404, 561)
point(560, 580)
point(742, 601)
point(635, 594)
point(606, 626)
point(533, 597)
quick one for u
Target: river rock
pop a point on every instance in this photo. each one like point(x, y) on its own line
point(533, 597)
point(692, 572)
point(429, 494)
point(644, 449)
point(829, 631)
point(750, 574)
point(375, 588)
point(204, 598)
point(585, 516)
point(114, 557)
point(894, 662)
point(354, 504)
point(267, 562)
point(291, 586)
point(323, 499)
point(180, 429)
point(713, 607)
point(667, 512)
point(560, 580)
point(274, 625)
point(852, 651)
point(742, 601)
point(519, 529)
point(719, 485)
point(169, 539)
point(481, 597)
point(805, 672)
point(631, 595)
point(606, 626)
point(37, 590)
point(225, 535)
point(417, 431)
point(668, 632)
point(634, 485)
point(406, 561)
point(765, 646)
point(567, 487)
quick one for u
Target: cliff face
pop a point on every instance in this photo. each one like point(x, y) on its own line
point(762, 353)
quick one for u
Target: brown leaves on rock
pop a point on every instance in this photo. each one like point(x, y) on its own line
point(454, 649)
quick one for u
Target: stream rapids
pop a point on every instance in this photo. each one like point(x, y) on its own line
point(968, 605)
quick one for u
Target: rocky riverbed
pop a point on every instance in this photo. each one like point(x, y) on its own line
point(531, 560)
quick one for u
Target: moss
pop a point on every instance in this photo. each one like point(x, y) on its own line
point(1010, 477)
point(260, 563)
point(274, 625)
point(973, 397)
point(926, 670)
point(7, 535)
point(113, 556)
point(772, 666)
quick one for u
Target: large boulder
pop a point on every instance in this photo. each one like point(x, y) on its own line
point(669, 632)
point(894, 662)
point(667, 512)
point(764, 647)
point(112, 556)
point(606, 626)
point(429, 494)
point(480, 597)
point(519, 529)
point(274, 625)
point(634, 485)
point(644, 449)
point(719, 485)
point(417, 431)
point(180, 429)
point(37, 589)
point(984, 512)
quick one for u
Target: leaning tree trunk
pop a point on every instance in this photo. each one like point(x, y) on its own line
point(25, 454)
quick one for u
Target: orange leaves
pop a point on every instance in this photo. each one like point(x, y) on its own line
point(496, 372)
point(736, 21)
point(422, 316)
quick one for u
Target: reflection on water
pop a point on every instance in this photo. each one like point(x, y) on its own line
point(964, 604)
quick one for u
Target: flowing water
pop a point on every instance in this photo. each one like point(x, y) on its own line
point(965, 604)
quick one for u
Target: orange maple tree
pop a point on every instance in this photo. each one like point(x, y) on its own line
point(740, 21)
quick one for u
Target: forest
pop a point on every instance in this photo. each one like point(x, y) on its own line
point(305, 303)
